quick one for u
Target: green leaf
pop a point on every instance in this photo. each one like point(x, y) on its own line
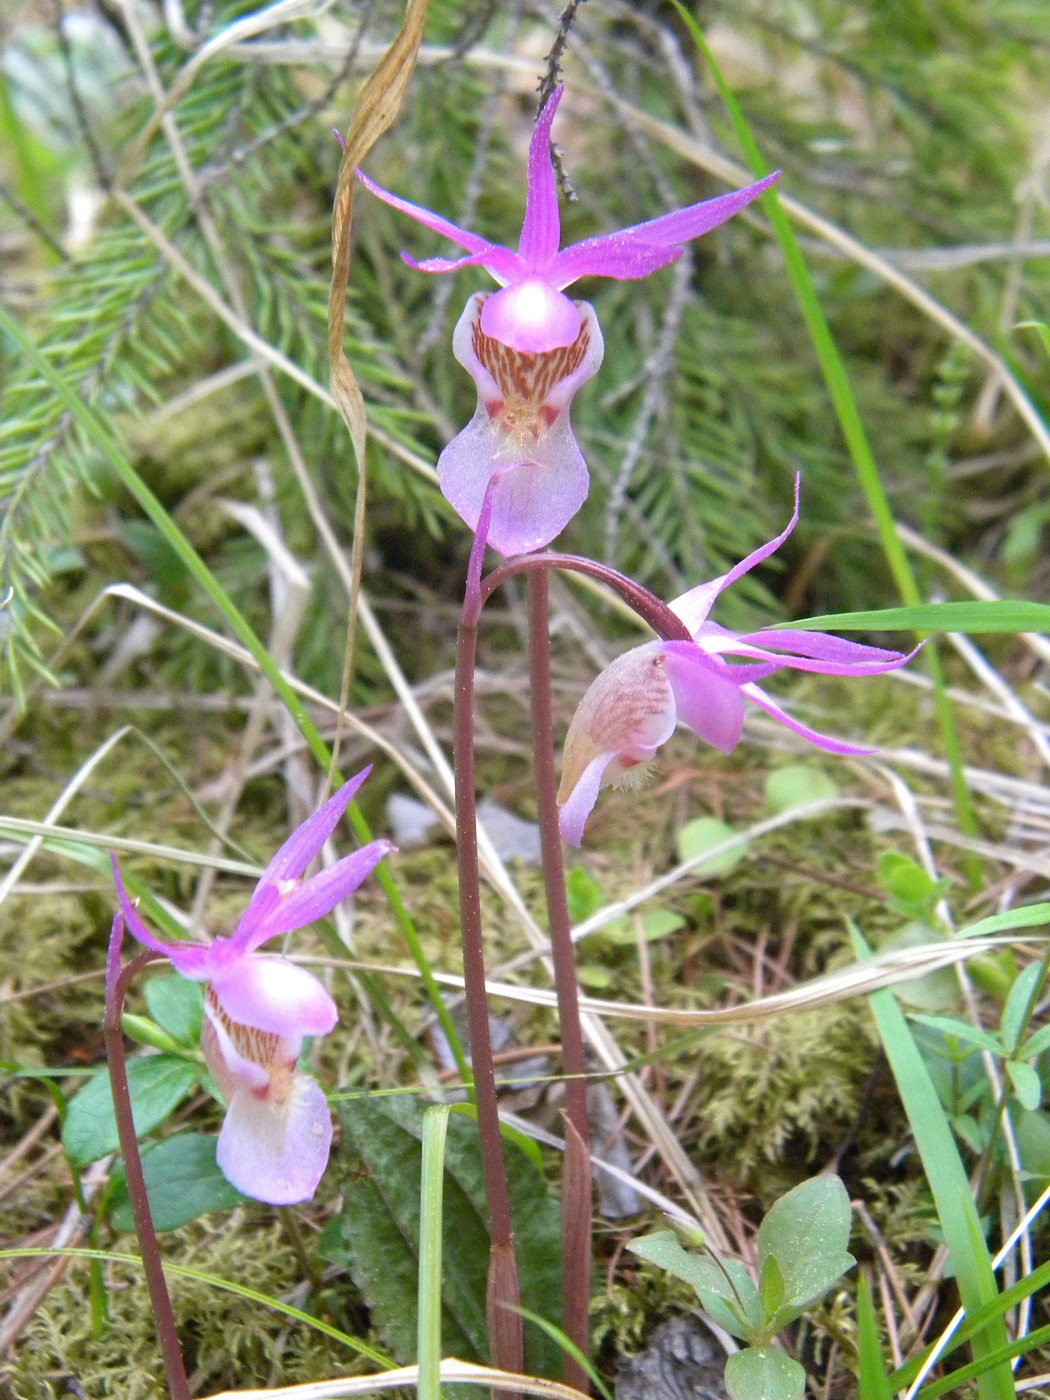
point(962, 1030)
point(583, 893)
point(911, 889)
point(378, 1231)
point(157, 1084)
point(796, 784)
point(1033, 1143)
point(771, 1287)
point(147, 1032)
point(1019, 1004)
point(998, 615)
point(1027, 1085)
point(807, 1232)
point(704, 834)
point(763, 1373)
point(724, 1287)
point(657, 924)
point(1035, 1045)
point(177, 1004)
point(183, 1181)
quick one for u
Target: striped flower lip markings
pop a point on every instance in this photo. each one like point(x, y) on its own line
point(258, 1008)
point(531, 313)
point(520, 437)
point(636, 703)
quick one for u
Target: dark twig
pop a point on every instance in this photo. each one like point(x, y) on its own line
point(102, 173)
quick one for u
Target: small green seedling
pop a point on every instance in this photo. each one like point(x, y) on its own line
point(801, 1253)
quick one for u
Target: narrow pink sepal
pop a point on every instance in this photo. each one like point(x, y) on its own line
point(572, 818)
point(823, 646)
point(473, 242)
point(306, 840)
point(320, 894)
point(194, 960)
point(709, 703)
point(613, 255)
point(277, 1152)
point(273, 994)
point(531, 316)
point(823, 741)
point(681, 225)
point(541, 231)
point(693, 607)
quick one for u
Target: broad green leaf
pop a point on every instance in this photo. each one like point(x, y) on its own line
point(183, 1181)
point(963, 1031)
point(1019, 1003)
point(1027, 1084)
point(1035, 1045)
point(771, 1287)
point(999, 615)
point(1033, 1143)
point(177, 1004)
point(911, 889)
point(807, 1231)
point(796, 784)
point(704, 834)
point(724, 1287)
point(583, 893)
point(157, 1083)
point(378, 1231)
point(763, 1373)
point(657, 924)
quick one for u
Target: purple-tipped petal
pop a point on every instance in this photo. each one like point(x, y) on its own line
point(535, 497)
point(273, 994)
point(578, 806)
point(707, 701)
point(504, 265)
point(681, 225)
point(320, 894)
point(823, 741)
point(277, 1152)
point(194, 960)
point(473, 242)
point(531, 317)
point(614, 255)
point(295, 855)
point(823, 646)
point(824, 666)
point(541, 231)
point(694, 606)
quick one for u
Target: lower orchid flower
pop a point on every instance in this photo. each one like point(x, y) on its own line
point(635, 704)
point(258, 1008)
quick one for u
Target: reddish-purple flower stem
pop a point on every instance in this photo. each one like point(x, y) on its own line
point(117, 981)
point(649, 608)
point(576, 1194)
point(506, 1336)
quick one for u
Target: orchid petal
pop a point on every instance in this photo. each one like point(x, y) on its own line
point(535, 496)
point(531, 317)
point(277, 1151)
point(681, 225)
point(473, 242)
point(541, 231)
point(827, 667)
point(823, 741)
point(319, 895)
point(708, 702)
point(504, 265)
point(193, 960)
point(612, 255)
point(822, 646)
point(273, 994)
point(578, 806)
point(694, 606)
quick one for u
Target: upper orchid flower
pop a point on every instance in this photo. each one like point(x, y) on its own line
point(634, 705)
point(277, 1132)
point(531, 314)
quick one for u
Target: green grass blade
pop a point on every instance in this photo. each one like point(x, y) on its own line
point(210, 586)
point(432, 1189)
point(837, 379)
point(1000, 615)
point(948, 1182)
point(872, 1377)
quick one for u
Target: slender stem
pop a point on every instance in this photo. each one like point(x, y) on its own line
point(505, 1324)
point(576, 1195)
point(648, 606)
point(116, 988)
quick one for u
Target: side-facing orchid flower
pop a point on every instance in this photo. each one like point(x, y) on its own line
point(529, 347)
point(634, 705)
point(258, 1007)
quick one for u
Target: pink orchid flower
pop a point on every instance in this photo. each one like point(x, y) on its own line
point(635, 704)
point(258, 1007)
point(529, 347)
